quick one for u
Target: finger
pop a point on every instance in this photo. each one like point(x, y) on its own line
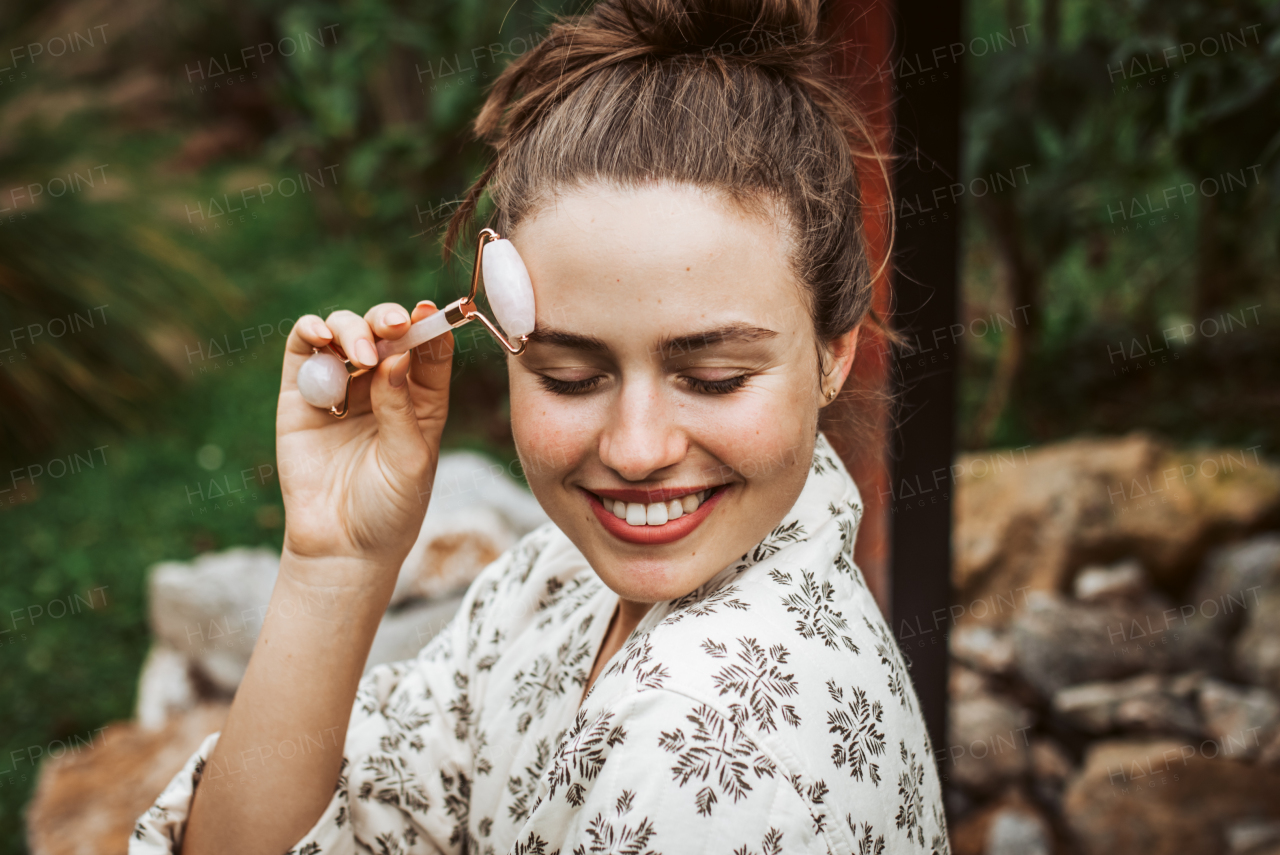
point(402, 448)
point(309, 333)
point(354, 336)
point(422, 310)
point(387, 320)
point(431, 362)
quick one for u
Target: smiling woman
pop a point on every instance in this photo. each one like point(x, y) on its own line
point(686, 658)
point(670, 367)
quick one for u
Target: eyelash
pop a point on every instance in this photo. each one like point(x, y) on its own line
point(581, 387)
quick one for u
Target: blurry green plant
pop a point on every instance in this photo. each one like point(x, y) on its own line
point(1101, 116)
point(89, 290)
point(386, 97)
point(391, 100)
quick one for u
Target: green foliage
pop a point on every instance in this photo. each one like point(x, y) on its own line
point(392, 100)
point(1132, 105)
point(85, 283)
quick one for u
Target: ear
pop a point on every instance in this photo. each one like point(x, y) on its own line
point(839, 353)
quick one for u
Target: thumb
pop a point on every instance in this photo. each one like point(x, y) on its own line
point(401, 447)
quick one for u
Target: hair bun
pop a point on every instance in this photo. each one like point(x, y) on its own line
point(778, 33)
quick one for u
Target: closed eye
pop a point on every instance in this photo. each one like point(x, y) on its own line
point(569, 387)
point(716, 387)
point(696, 384)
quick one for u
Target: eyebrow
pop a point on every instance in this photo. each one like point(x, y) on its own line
point(728, 334)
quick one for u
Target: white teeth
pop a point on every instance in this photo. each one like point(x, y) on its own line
point(636, 514)
point(656, 513)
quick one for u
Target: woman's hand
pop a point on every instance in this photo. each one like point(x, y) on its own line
point(355, 491)
point(357, 487)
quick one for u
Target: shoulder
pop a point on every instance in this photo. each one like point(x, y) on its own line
point(543, 573)
point(532, 574)
point(790, 667)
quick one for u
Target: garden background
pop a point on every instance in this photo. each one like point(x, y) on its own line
point(177, 184)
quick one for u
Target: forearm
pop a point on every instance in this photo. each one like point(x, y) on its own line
point(298, 690)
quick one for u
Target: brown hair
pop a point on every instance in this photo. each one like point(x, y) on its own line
point(734, 96)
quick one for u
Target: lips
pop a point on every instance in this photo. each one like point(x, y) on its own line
point(667, 532)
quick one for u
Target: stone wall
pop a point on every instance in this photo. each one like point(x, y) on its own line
point(1115, 651)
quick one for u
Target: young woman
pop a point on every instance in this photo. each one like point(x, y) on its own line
point(686, 658)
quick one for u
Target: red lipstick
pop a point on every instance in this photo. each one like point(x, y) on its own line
point(652, 535)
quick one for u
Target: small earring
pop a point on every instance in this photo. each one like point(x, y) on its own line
point(831, 394)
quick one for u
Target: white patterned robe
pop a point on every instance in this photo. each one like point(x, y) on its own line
point(768, 711)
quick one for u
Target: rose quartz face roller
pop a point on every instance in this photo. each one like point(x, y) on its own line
point(324, 381)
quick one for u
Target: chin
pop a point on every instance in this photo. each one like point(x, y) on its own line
point(649, 581)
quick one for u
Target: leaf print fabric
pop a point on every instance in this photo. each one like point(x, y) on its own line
point(768, 711)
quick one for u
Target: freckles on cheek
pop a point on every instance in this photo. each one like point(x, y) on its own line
point(759, 443)
point(550, 436)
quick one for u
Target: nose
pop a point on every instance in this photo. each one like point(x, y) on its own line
point(642, 436)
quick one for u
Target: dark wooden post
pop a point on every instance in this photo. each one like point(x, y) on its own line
point(900, 65)
point(927, 76)
point(864, 33)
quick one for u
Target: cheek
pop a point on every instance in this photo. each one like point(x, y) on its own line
point(550, 436)
point(765, 437)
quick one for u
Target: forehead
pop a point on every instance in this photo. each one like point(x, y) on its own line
point(658, 259)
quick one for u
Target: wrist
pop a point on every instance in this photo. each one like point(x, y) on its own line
point(339, 579)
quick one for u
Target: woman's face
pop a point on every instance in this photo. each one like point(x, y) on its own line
point(674, 356)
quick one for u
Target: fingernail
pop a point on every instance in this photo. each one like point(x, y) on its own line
point(422, 303)
point(395, 318)
point(320, 330)
point(365, 352)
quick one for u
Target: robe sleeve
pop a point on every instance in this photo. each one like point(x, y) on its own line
point(660, 771)
point(405, 781)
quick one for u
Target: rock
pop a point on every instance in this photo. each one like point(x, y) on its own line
point(1018, 832)
point(1239, 568)
point(453, 546)
point(165, 687)
point(1090, 707)
point(1142, 703)
point(1028, 519)
point(1156, 713)
point(982, 647)
point(1241, 718)
point(996, 825)
point(1185, 686)
point(1164, 797)
point(475, 513)
point(405, 631)
point(1270, 753)
point(989, 745)
point(963, 683)
point(1049, 762)
point(211, 609)
point(1125, 580)
point(1251, 837)
point(1256, 651)
point(1060, 642)
point(1050, 768)
point(88, 801)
